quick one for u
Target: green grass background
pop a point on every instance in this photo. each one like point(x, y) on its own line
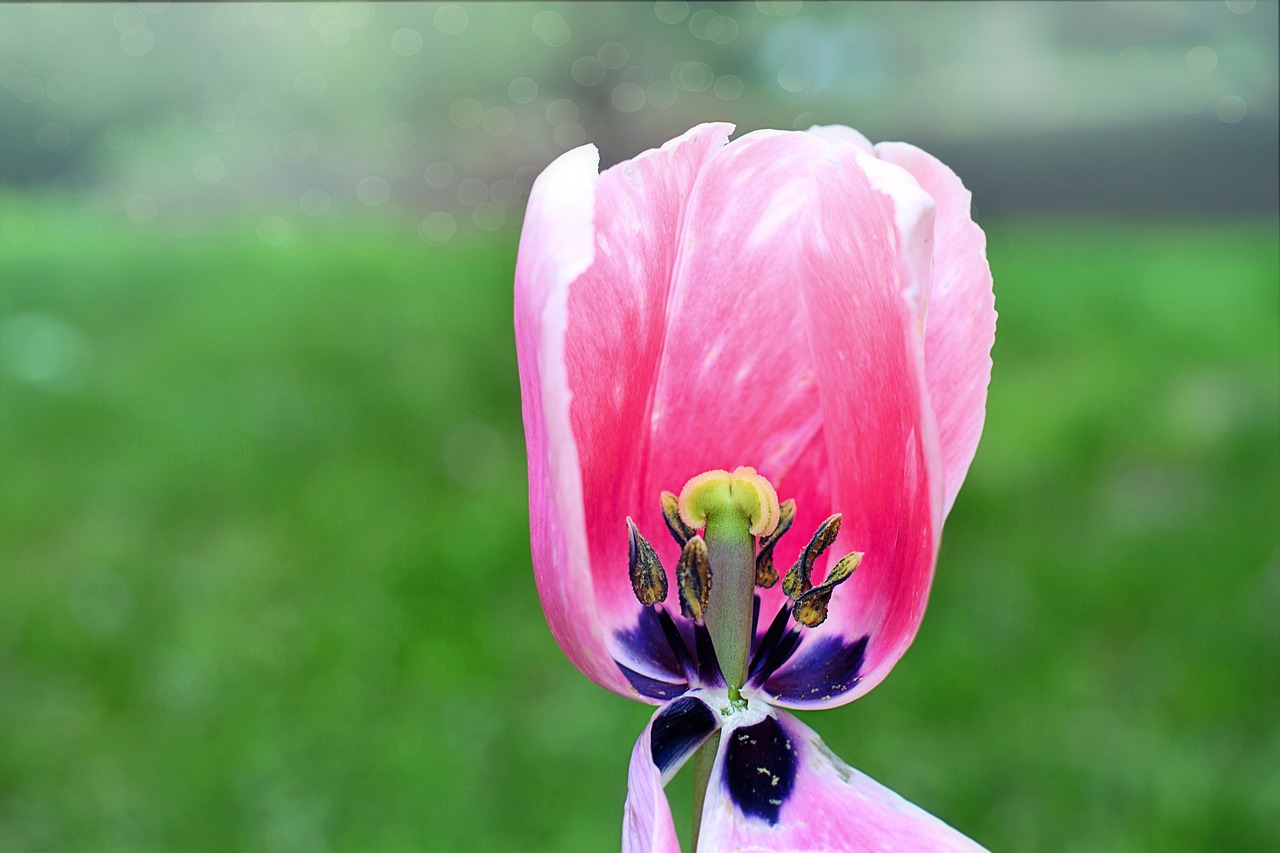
point(266, 578)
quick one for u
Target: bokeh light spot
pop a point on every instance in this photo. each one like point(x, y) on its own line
point(1241, 7)
point(218, 117)
point(613, 54)
point(728, 87)
point(522, 90)
point(551, 28)
point(438, 227)
point(472, 191)
point(450, 19)
point(1202, 59)
point(373, 190)
point(466, 112)
point(587, 70)
point(137, 41)
point(406, 41)
point(275, 231)
point(53, 136)
point(208, 170)
point(562, 111)
point(1231, 109)
point(628, 97)
point(692, 76)
point(671, 11)
point(439, 174)
point(315, 202)
point(309, 84)
point(355, 13)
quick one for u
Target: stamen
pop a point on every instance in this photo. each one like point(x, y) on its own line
point(693, 579)
point(766, 574)
point(680, 531)
point(811, 607)
point(797, 581)
point(648, 580)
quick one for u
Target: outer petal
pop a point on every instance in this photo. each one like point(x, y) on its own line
point(674, 733)
point(824, 804)
point(593, 271)
point(962, 317)
point(795, 344)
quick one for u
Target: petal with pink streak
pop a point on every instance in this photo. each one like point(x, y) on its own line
point(776, 786)
point(962, 318)
point(794, 344)
point(592, 277)
point(674, 733)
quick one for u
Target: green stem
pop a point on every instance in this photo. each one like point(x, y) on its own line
point(731, 550)
point(703, 760)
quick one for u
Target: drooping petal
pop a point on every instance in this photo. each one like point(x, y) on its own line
point(595, 259)
point(962, 318)
point(776, 786)
point(674, 733)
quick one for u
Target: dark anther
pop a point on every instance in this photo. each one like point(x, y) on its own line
point(693, 579)
point(648, 580)
point(811, 606)
point(797, 581)
point(766, 574)
point(680, 531)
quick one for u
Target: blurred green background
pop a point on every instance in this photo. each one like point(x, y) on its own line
point(264, 568)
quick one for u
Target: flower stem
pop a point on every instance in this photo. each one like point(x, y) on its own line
point(731, 550)
point(703, 760)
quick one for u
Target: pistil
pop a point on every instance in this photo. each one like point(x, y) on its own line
point(731, 509)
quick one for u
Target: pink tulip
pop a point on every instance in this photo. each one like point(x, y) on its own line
point(803, 303)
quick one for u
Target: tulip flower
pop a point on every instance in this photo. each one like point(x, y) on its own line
point(753, 377)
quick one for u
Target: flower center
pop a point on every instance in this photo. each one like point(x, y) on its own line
point(720, 567)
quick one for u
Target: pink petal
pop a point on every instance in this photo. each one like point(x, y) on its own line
point(962, 317)
point(594, 266)
point(681, 726)
point(796, 795)
point(794, 344)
